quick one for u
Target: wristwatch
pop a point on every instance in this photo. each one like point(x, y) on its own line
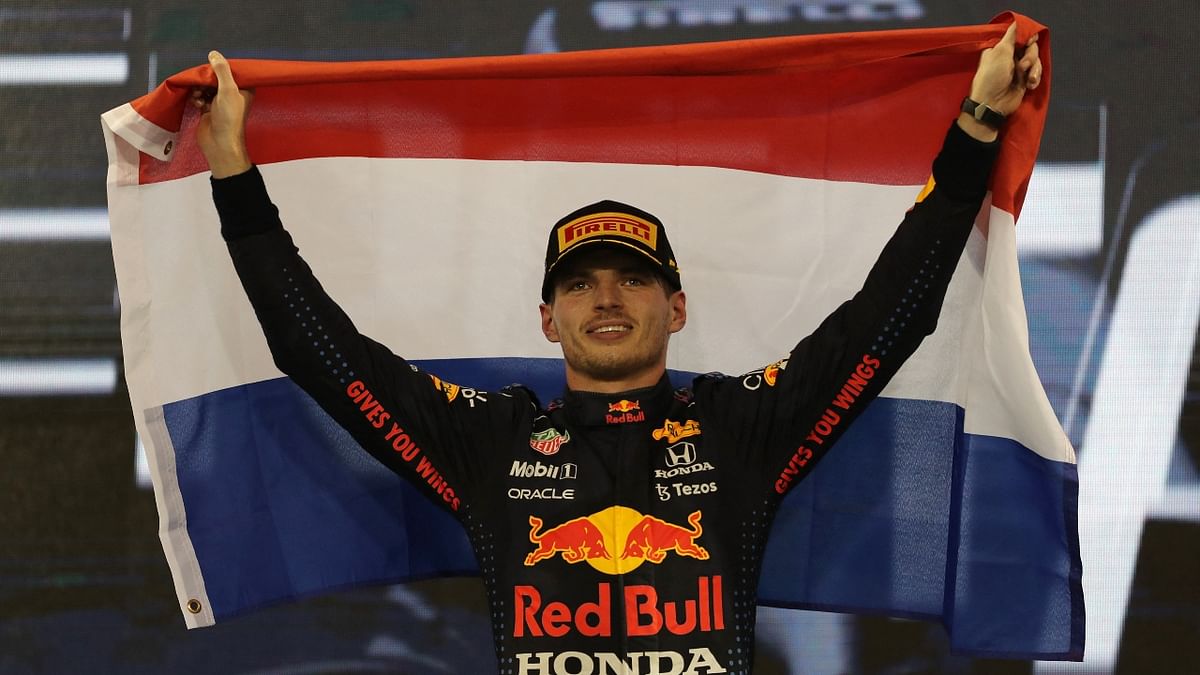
point(983, 113)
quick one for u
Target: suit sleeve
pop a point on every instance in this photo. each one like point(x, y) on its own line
point(433, 433)
point(783, 418)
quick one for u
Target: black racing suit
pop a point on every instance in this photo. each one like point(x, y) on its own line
point(614, 533)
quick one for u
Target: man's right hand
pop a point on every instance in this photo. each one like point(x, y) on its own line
point(221, 133)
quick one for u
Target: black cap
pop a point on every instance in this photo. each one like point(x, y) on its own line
point(615, 224)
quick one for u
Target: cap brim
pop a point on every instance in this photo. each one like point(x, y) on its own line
point(655, 263)
point(571, 252)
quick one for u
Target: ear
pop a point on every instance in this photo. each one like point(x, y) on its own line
point(548, 327)
point(678, 301)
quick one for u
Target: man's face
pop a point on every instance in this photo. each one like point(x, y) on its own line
point(612, 315)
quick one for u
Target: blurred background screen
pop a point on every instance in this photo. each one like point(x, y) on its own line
point(1110, 260)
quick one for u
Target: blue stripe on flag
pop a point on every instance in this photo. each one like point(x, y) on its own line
point(872, 530)
point(1016, 507)
point(869, 530)
point(251, 504)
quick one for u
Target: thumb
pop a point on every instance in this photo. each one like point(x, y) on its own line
point(1008, 42)
point(1010, 35)
point(220, 68)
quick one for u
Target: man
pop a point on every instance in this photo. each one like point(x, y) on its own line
point(620, 529)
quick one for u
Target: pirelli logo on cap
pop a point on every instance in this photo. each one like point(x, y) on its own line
point(612, 225)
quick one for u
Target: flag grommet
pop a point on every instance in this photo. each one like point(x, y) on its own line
point(194, 606)
point(168, 147)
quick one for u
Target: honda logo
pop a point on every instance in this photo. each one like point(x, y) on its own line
point(680, 454)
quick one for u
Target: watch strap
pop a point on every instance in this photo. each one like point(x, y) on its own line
point(983, 113)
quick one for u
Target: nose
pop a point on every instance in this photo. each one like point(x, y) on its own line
point(607, 294)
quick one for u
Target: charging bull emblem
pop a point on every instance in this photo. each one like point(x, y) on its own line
point(618, 529)
point(576, 539)
point(652, 537)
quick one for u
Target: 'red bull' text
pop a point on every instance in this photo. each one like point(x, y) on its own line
point(645, 613)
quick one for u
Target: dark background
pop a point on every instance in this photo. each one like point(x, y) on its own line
point(84, 587)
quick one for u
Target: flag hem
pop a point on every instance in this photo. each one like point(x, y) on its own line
point(177, 544)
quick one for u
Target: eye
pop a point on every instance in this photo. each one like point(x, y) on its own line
point(635, 281)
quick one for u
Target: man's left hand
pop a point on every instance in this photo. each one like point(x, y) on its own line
point(1003, 77)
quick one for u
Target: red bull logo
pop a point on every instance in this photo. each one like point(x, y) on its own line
point(646, 613)
point(624, 406)
point(652, 538)
point(618, 529)
point(674, 431)
point(629, 411)
point(577, 540)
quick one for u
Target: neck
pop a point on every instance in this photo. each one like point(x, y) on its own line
point(577, 381)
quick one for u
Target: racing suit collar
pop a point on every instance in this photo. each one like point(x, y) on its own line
point(634, 406)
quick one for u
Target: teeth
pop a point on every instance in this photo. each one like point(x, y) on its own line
point(611, 329)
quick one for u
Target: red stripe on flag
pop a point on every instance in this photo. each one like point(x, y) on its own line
point(869, 107)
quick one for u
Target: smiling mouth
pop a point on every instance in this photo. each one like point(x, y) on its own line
point(610, 329)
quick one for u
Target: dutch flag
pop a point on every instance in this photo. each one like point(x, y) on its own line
point(420, 192)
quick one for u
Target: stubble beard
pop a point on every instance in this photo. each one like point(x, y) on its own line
point(616, 362)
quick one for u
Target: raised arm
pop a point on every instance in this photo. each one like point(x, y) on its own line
point(788, 415)
point(426, 430)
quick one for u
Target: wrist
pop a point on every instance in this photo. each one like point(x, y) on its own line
point(976, 129)
point(230, 161)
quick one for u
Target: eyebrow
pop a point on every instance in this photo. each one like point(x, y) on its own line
point(631, 269)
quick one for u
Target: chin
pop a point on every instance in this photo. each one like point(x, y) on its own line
point(614, 366)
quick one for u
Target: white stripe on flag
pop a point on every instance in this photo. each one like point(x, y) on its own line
point(419, 267)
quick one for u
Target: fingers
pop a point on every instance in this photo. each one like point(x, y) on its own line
point(1031, 50)
point(220, 67)
point(201, 98)
point(1030, 66)
point(1009, 41)
point(1030, 56)
point(1035, 74)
